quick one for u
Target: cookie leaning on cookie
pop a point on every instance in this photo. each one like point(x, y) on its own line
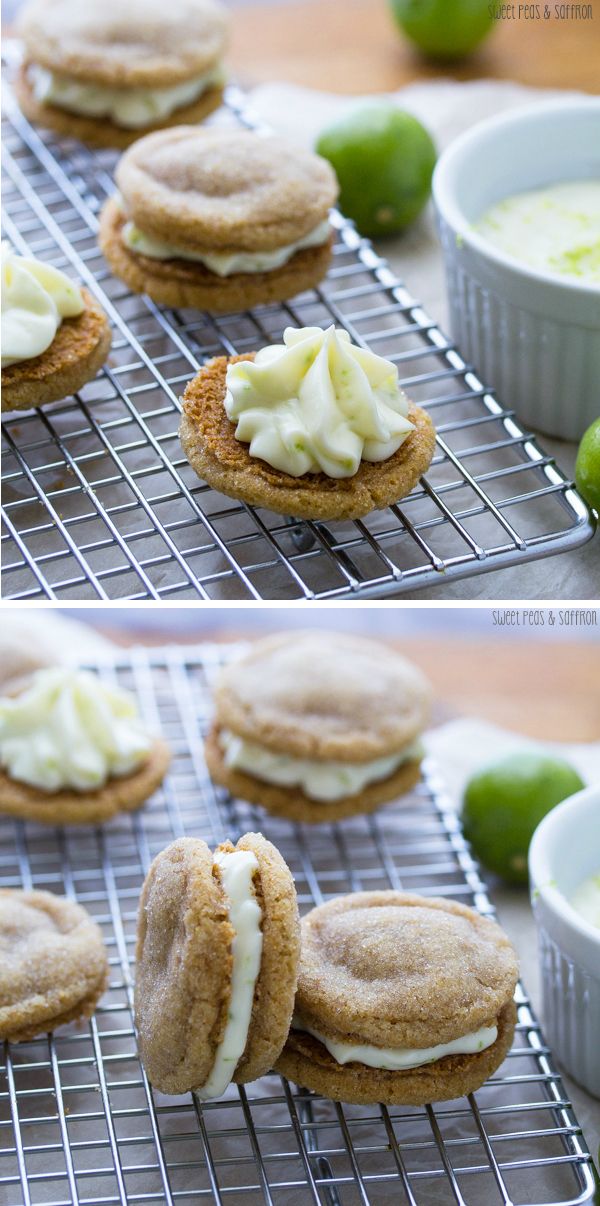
point(316, 427)
point(402, 999)
point(216, 964)
point(53, 964)
point(106, 72)
point(55, 336)
point(218, 219)
point(73, 750)
point(315, 726)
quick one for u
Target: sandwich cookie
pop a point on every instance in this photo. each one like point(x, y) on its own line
point(55, 336)
point(315, 427)
point(219, 219)
point(53, 963)
point(74, 750)
point(107, 72)
point(402, 999)
point(216, 965)
point(315, 726)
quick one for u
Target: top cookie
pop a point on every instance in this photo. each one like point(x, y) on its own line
point(215, 188)
point(323, 695)
point(125, 44)
point(401, 970)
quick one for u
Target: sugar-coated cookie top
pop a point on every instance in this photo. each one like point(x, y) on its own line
point(324, 695)
point(125, 42)
point(400, 970)
point(51, 956)
point(224, 188)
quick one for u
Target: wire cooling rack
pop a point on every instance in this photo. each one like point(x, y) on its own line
point(100, 502)
point(79, 1123)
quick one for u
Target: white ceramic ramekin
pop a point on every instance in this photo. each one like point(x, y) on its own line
point(534, 337)
point(565, 850)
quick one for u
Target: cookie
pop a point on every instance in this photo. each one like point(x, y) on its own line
point(216, 964)
point(402, 999)
point(125, 794)
point(105, 133)
point(315, 726)
point(53, 963)
point(105, 73)
point(209, 442)
point(74, 750)
point(220, 219)
point(182, 283)
point(78, 350)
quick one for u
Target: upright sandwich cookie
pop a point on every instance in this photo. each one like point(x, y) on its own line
point(74, 750)
point(55, 336)
point(216, 965)
point(402, 999)
point(318, 725)
point(315, 427)
point(53, 963)
point(104, 72)
point(218, 219)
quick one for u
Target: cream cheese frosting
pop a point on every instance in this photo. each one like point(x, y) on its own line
point(35, 299)
point(237, 869)
point(317, 403)
point(320, 779)
point(394, 1060)
point(67, 729)
point(223, 263)
point(133, 108)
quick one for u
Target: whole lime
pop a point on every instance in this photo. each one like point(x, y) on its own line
point(505, 802)
point(444, 29)
point(587, 465)
point(384, 160)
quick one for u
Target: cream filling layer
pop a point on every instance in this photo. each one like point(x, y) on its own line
point(398, 1060)
point(223, 263)
point(317, 403)
point(35, 299)
point(133, 108)
point(68, 729)
point(324, 780)
point(237, 869)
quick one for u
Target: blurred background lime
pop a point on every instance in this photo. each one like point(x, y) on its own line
point(444, 29)
point(505, 802)
point(587, 465)
point(384, 160)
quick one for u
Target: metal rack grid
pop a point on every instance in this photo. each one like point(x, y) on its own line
point(99, 501)
point(79, 1123)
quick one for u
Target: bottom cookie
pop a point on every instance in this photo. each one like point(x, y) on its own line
point(209, 443)
point(101, 131)
point(306, 1062)
point(69, 807)
point(291, 802)
point(77, 352)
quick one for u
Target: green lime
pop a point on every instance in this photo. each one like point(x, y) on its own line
point(505, 802)
point(384, 160)
point(587, 465)
point(444, 29)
